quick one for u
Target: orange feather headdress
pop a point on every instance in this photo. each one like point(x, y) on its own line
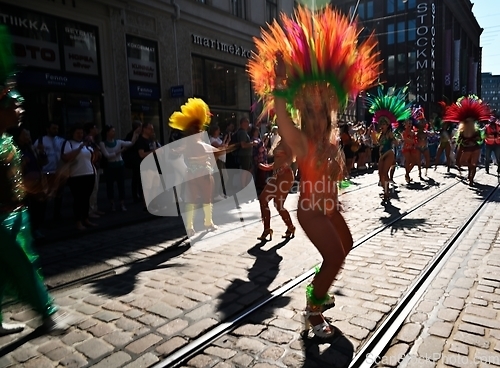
point(317, 47)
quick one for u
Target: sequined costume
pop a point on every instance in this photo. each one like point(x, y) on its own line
point(20, 273)
point(409, 142)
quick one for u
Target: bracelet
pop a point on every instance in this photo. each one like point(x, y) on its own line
point(280, 84)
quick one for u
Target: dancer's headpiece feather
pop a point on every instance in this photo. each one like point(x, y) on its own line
point(317, 47)
point(467, 107)
point(7, 69)
point(194, 113)
point(393, 106)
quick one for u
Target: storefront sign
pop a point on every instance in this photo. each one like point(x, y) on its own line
point(60, 81)
point(34, 37)
point(80, 48)
point(177, 91)
point(233, 49)
point(426, 51)
point(142, 65)
point(36, 41)
point(149, 92)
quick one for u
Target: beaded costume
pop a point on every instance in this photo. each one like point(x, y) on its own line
point(324, 61)
point(20, 274)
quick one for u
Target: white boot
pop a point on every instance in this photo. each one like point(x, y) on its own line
point(10, 328)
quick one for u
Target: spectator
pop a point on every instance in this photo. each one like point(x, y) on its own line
point(132, 162)
point(81, 174)
point(51, 144)
point(112, 149)
point(91, 136)
point(245, 151)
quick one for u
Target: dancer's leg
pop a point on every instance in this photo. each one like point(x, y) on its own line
point(18, 263)
point(284, 184)
point(326, 238)
point(265, 197)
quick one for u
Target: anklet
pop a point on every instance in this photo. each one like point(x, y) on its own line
point(313, 299)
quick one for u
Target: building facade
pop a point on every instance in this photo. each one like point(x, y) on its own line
point(430, 45)
point(116, 61)
point(490, 88)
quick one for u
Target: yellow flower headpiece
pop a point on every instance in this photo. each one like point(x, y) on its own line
point(194, 113)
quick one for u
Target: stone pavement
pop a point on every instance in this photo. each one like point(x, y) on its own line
point(148, 310)
point(457, 322)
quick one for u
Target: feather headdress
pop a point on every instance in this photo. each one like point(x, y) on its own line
point(7, 70)
point(317, 48)
point(195, 113)
point(393, 107)
point(467, 107)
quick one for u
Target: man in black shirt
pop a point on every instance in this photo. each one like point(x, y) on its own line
point(245, 152)
point(144, 146)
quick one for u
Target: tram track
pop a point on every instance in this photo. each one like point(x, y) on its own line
point(196, 346)
point(64, 255)
point(230, 324)
point(388, 330)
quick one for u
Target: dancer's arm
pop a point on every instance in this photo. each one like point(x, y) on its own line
point(288, 131)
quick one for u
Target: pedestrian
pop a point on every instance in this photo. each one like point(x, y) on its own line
point(20, 274)
point(315, 77)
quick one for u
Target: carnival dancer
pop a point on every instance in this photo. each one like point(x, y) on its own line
point(445, 130)
point(468, 112)
point(410, 152)
point(316, 71)
point(277, 189)
point(20, 274)
point(192, 120)
point(492, 142)
point(422, 139)
point(387, 111)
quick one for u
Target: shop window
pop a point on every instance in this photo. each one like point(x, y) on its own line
point(390, 34)
point(224, 87)
point(361, 11)
point(390, 6)
point(412, 30)
point(67, 109)
point(369, 10)
point(412, 62)
point(271, 10)
point(412, 4)
point(391, 65)
point(401, 64)
point(401, 5)
point(147, 111)
point(238, 8)
point(401, 32)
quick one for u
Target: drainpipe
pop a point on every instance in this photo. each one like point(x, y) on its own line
point(175, 17)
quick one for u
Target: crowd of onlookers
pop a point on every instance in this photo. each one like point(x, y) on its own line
point(52, 163)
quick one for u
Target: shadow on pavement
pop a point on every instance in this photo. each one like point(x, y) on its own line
point(124, 283)
point(402, 224)
point(87, 255)
point(241, 294)
point(338, 354)
point(9, 348)
point(483, 190)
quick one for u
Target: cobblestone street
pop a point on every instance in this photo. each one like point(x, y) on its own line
point(142, 313)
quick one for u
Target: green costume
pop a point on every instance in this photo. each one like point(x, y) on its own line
point(20, 274)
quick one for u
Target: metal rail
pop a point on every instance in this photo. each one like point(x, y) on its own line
point(222, 329)
point(383, 336)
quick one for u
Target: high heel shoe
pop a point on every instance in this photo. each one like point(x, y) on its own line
point(330, 303)
point(264, 235)
point(324, 329)
point(290, 232)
